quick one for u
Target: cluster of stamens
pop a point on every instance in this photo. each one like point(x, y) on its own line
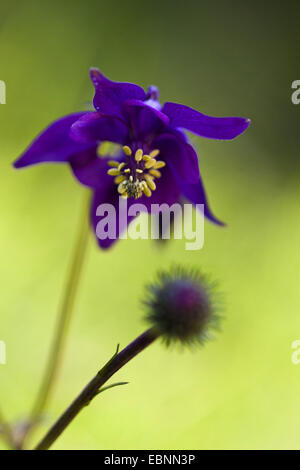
point(136, 177)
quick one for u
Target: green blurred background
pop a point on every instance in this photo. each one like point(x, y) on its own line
point(223, 58)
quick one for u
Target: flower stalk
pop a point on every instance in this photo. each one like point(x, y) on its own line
point(64, 317)
point(5, 431)
point(180, 308)
point(94, 386)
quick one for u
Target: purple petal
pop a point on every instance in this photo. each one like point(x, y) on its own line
point(145, 120)
point(96, 127)
point(225, 128)
point(108, 194)
point(110, 95)
point(167, 190)
point(196, 194)
point(89, 169)
point(179, 155)
point(53, 144)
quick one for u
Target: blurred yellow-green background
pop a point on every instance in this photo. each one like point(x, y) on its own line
point(223, 58)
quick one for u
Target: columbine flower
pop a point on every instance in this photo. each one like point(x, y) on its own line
point(181, 306)
point(155, 162)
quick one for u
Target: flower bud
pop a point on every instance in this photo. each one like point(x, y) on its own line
point(181, 306)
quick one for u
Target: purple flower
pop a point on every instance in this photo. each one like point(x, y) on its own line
point(155, 162)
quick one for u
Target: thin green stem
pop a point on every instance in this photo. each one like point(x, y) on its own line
point(94, 386)
point(5, 431)
point(65, 313)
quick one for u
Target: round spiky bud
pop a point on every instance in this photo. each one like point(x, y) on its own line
point(181, 306)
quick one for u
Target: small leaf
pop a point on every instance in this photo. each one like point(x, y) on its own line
point(111, 386)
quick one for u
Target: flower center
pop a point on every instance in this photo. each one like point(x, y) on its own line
point(136, 177)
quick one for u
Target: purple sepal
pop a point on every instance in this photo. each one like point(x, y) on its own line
point(222, 128)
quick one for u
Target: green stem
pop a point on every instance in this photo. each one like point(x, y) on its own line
point(5, 431)
point(93, 388)
point(64, 317)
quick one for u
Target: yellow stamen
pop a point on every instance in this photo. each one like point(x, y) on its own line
point(146, 158)
point(113, 163)
point(147, 191)
point(127, 170)
point(150, 182)
point(154, 153)
point(121, 189)
point(150, 163)
point(121, 166)
point(155, 173)
point(159, 164)
point(138, 170)
point(127, 150)
point(139, 155)
point(119, 179)
point(113, 172)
